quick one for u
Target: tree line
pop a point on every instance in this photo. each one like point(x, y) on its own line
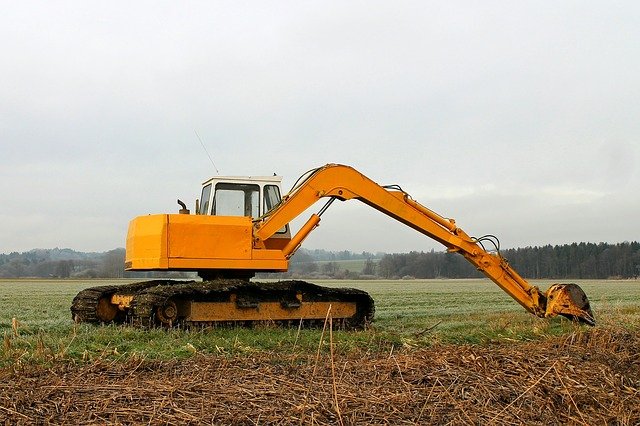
point(62, 263)
point(569, 261)
point(67, 263)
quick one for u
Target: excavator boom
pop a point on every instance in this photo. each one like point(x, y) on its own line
point(345, 183)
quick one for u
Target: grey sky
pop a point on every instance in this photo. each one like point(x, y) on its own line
point(520, 119)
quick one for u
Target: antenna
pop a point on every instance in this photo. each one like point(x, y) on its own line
point(205, 150)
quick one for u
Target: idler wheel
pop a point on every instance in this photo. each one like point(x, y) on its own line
point(105, 310)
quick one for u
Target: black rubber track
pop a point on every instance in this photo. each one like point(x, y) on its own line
point(150, 295)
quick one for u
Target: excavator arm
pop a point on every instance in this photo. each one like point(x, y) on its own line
point(334, 181)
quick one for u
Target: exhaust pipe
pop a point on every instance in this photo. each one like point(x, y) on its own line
point(184, 209)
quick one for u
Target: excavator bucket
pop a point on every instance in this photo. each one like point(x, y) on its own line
point(570, 301)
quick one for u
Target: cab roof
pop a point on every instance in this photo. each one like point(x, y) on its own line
point(244, 179)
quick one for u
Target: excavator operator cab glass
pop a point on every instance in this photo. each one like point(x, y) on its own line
point(271, 197)
point(236, 199)
point(251, 196)
point(206, 193)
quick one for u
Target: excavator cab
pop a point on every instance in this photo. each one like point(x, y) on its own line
point(248, 196)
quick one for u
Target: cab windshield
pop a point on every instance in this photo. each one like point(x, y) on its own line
point(235, 199)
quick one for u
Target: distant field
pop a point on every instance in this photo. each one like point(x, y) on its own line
point(356, 265)
point(409, 314)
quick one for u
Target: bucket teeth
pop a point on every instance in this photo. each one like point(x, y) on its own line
point(570, 301)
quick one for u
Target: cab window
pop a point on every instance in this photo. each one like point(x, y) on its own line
point(271, 199)
point(234, 199)
point(204, 200)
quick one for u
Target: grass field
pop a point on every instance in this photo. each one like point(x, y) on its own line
point(439, 352)
point(409, 314)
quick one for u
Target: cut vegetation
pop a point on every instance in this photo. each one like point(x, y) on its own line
point(439, 351)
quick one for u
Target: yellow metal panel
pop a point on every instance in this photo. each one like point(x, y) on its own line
point(247, 264)
point(275, 255)
point(122, 301)
point(147, 243)
point(209, 237)
point(196, 242)
point(277, 241)
point(268, 311)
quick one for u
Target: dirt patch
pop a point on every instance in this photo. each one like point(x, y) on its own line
point(588, 377)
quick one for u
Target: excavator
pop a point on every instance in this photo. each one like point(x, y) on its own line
point(241, 227)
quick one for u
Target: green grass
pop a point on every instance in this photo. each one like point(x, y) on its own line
point(409, 314)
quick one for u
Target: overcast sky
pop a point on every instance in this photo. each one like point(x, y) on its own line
point(519, 119)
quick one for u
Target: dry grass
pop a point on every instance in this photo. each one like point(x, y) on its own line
point(587, 377)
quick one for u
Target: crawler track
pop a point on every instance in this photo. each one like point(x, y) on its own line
point(168, 303)
point(85, 304)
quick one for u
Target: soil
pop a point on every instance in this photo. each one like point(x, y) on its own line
point(590, 377)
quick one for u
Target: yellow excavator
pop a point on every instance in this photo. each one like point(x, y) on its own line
point(241, 227)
